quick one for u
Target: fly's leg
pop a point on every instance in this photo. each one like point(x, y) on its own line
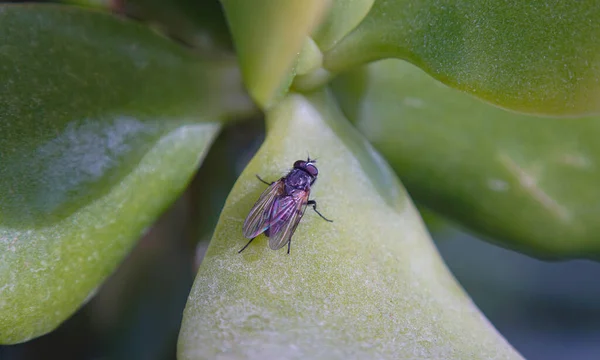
point(314, 206)
point(289, 245)
point(266, 182)
point(246, 245)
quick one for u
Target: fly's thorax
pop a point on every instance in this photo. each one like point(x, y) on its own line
point(298, 179)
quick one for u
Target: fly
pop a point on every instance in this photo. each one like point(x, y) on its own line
point(281, 206)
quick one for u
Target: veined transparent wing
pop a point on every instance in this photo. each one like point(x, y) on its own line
point(286, 214)
point(257, 220)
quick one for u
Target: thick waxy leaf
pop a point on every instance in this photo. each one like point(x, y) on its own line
point(268, 36)
point(342, 17)
point(536, 56)
point(310, 58)
point(527, 182)
point(102, 123)
point(369, 285)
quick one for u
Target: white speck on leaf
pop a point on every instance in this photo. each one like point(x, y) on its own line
point(529, 183)
point(498, 185)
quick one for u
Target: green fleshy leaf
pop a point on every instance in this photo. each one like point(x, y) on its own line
point(310, 58)
point(102, 123)
point(368, 285)
point(341, 18)
point(531, 56)
point(526, 182)
point(268, 37)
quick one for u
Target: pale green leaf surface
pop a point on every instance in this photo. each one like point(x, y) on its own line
point(369, 285)
point(536, 56)
point(310, 58)
point(341, 18)
point(102, 124)
point(526, 182)
point(268, 36)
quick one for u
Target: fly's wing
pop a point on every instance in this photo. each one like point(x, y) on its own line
point(257, 220)
point(286, 214)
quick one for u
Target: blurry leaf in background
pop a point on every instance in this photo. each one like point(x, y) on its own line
point(137, 312)
point(433, 221)
point(535, 56)
point(346, 284)
point(199, 23)
point(525, 182)
point(103, 123)
point(268, 36)
point(546, 310)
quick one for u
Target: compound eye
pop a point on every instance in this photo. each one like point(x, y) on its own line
point(300, 164)
point(312, 170)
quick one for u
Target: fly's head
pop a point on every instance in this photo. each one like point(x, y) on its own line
point(302, 176)
point(309, 168)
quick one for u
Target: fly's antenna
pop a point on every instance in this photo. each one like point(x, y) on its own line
point(309, 159)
